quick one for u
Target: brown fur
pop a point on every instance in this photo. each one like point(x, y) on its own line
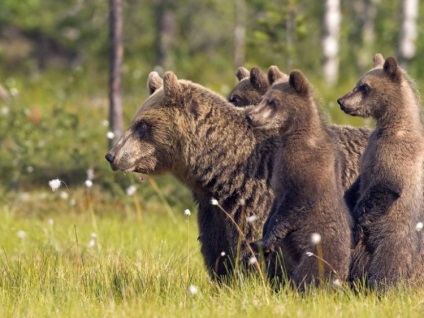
point(306, 182)
point(351, 140)
point(189, 131)
point(387, 199)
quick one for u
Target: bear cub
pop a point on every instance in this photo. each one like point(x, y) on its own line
point(310, 222)
point(387, 198)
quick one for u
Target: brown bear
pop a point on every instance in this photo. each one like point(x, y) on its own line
point(196, 135)
point(351, 140)
point(387, 198)
point(306, 182)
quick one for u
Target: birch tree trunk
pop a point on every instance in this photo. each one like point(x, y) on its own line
point(115, 75)
point(408, 31)
point(330, 41)
point(165, 33)
point(240, 33)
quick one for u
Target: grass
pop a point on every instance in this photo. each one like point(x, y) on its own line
point(141, 266)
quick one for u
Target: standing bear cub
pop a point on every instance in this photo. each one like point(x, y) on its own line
point(387, 197)
point(309, 208)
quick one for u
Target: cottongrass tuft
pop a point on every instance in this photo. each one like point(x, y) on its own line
point(64, 195)
point(54, 184)
point(88, 183)
point(253, 260)
point(193, 290)
point(315, 238)
point(131, 190)
point(110, 135)
point(419, 226)
point(50, 221)
point(187, 212)
point(337, 283)
point(309, 254)
point(223, 254)
point(21, 234)
point(93, 240)
point(214, 201)
point(251, 219)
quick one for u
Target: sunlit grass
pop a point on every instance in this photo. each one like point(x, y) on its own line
point(142, 267)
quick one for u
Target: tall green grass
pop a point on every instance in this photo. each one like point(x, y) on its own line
point(142, 266)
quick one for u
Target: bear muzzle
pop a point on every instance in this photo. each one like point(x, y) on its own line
point(109, 157)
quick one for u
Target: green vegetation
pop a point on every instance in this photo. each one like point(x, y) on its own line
point(53, 64)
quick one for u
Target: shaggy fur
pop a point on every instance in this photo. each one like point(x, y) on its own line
point(351, 140)
point(387, 199)
point(189, 131)
point(306, 183)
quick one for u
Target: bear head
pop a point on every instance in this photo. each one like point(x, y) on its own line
point(370, 95)
point(283, 104)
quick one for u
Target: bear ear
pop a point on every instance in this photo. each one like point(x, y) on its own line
point(275, 74)
point(299, 82)
point(154, 82)
point(378, 60)
point(242, 72)
point(171, 86)
point(258, 78)
point(392, 69)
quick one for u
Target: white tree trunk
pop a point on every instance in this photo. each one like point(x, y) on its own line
point(408, 31)
point(330, 41)
point(240, 33)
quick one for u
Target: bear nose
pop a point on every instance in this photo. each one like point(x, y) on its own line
point(340, 102)
point(249, 118)
point(109, 157)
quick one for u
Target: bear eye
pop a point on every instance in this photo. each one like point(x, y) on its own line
point(142, 128)
point(364, 88)
point(235, 100)
point(273, 103)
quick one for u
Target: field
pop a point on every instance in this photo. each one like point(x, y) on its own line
point(102, 251)
point(87, 254)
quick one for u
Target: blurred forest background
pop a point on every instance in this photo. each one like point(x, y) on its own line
point(54, 65)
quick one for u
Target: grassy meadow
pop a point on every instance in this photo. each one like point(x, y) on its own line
point(103, 251)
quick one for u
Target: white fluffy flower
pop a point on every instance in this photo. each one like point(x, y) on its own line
point(110, 135)
point(54, 184)
point(187, 212)
point(131, 190)
point(192, 289)
point(214, 201)
point(251, 219)
point(21, 234)
point(223, 254)
point(64, 195)
point(419, 226)
point(93, 240)
point(315, 238)
point(88, 183)
point(309, 254)
point(253, 260)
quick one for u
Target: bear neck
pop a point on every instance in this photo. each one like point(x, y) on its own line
point(401, 111)
point(222, 154)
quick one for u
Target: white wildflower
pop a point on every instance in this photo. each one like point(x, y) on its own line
point(419, 226)
point(14, 91)
point(192, 289)
point(93, 240)
point(187, 212)
point(337, 283)
point(309, 254)
point(223, 254)
point(110, 135)
point(50, 221)
point(30, 169)
point(131, 190)
point(251, 219)
point(315, 238)
point(253, 260)
point(214, 201)
point(73, 202)
point(64, 195)
point(88, 183)
point(21, 234)
point(105, 123)
point(4, 110)
point(242, 202)
point(54, 184)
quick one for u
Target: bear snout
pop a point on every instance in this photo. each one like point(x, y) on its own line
point(109, 157)
point(340, 102)
point(249, 118)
